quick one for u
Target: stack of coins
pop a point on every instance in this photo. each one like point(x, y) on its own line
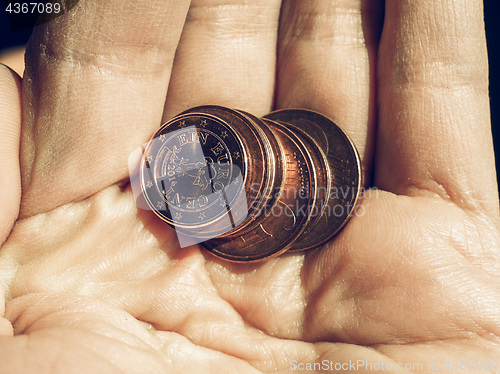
point(251, 188)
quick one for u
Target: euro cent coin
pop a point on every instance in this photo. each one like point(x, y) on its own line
point(343, 166)
point(193, 172)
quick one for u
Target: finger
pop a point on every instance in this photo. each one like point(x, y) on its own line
point(434, 134)
point(326, 63)
point(95, 87)
point(10, 127)
point(227, 56)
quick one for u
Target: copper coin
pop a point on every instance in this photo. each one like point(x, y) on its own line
point(283, 219)
point(344, 167)
point(194, 172)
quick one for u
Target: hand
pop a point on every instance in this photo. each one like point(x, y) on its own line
point(92, 284)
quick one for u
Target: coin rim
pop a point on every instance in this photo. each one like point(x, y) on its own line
point(290, 117)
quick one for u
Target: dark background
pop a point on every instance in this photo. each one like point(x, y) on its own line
point(491, 8)
point(8, 38)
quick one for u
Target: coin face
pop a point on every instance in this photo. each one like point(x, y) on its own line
point(194, 172)
point(344, 170)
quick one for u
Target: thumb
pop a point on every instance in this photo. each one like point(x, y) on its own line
point(10, 127)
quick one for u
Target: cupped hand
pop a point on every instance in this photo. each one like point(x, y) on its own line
point(92, 284)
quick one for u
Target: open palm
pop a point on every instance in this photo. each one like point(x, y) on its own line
point(92, 283)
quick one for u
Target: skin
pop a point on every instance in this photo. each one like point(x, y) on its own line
point(92, 284)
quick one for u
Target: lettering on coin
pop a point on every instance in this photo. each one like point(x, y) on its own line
point(193, 168)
